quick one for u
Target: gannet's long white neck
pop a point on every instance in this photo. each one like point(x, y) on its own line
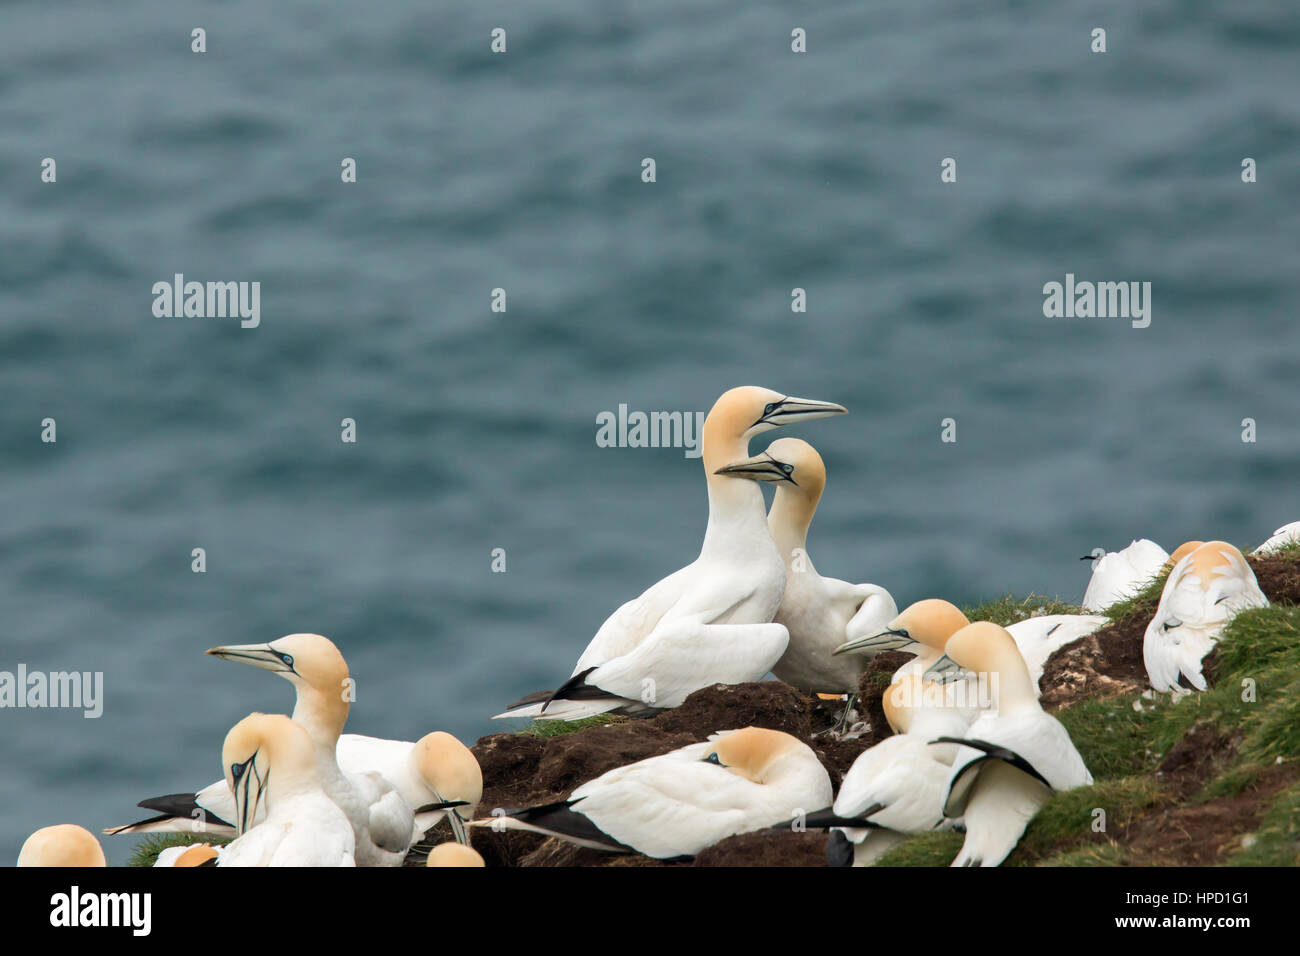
point(737, 515)
point(323, 714)
point(791, 516)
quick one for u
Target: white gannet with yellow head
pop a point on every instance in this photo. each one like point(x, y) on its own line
point(454, 854)
point(820, 613)
point(1283, 536)
point(1012, 758)
point(711, 621)
point(1206, 589)
point(196, 854)
point(383, 821)
point(271, 767)
point(896, 788)
point(64, 844)
point(676, 804)
point(1117, 575)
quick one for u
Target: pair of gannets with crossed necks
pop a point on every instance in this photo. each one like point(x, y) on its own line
point(992, 775)
point(390, 791)
point(712, 621)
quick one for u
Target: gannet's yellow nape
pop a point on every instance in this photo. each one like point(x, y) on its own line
point(1182, 551)
point(196, 855)
point(741, 413)
point(929, 623)
point(65, 844)
point(1211, 555)
point(252, 747)
point(756, 753)
point(454, 854)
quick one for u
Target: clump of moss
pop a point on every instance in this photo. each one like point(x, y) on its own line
point(559, 728)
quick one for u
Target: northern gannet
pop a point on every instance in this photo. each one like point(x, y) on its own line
point(711, 621)
point(64, 844)
point(1117, 575)
point(677, 804)
point(1040, 637)
point(820, 613)
point(270, 762)
point(1012, 758)
point(454, 854)
point(383, 820)
point(897, 787)
point(1287, 534)
point(1205, 590)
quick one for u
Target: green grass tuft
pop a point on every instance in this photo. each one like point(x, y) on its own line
point(928, 849)
point(1011, 610)
point(561, 728)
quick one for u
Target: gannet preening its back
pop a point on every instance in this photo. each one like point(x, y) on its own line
point(64, 844)
point(454, 854)
point(437, 775)
point(271, 764)
point(1287, 534)
point(1117, 575)
point(897, 787)
point(1205, 590)
point(1040, 637)
point(1012, 758)
point(711, 621)
point(820, 613)
point(677, 804)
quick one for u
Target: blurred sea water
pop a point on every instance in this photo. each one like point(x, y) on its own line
point(476, 430)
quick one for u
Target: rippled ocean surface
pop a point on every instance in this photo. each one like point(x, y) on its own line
point(476, 430)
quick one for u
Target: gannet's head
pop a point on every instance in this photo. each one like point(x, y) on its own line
point(1212, 555)
point(1183, 550)
point(742, 413)
point(454, 854)
point(930, 623)
point(979, 648)
point(65, 844)
point(449, 769)
point(196, 855)
point(790, 460)
point(755, 753)
point(302, 659)
point(252, 747)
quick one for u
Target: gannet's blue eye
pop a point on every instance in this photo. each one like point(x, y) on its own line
point(237, 770)
point(787, 468)
point(287, 658)
point(771, 407)
point(713, 758)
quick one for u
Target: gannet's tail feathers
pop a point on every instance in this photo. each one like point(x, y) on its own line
point(557, 820)
point(963, 779)
point(827, 818)
point(574, 700)
point(178, 813)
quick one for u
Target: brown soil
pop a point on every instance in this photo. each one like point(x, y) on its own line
point(767, 848)
point(1107, 663)
point(1278, 576)
point(1195, 760)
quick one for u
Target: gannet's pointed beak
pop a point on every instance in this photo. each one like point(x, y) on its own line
point(259, 655)
point(789, 410)
point(762, 467)
point(891, 640)
point(944, 671)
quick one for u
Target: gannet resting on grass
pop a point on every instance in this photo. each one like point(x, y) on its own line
point(383, 820)
point(922, 629)
point(1205, 590)
point(1012, 758)
point(270, 762)
point(196, 854)
point(677, 804)
point(1117, 575)
point(64, 844)
point(711, 621)
point(820, 613)
point(437, 775)
point(1040, 637)
point(1287, 534)
point(897, 787)
point(454, 854)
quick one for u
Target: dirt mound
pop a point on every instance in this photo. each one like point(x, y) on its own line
point(1195, 760)
point(767, 848)
point(1107, 663)
point(1278, 576)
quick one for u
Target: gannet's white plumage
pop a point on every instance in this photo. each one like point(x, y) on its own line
point(711, 621)
point(437, 769)
point(383, 820)
point(271, 763)
point(923, 629)
point(900, 783)
point(820, 613)
point(1040, 637)
point(1117, 575)
point(1012, 758)
point(1205, 590)
point(454, 854)
point(1287, 534)
point(64, 844)
point(681, 802)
